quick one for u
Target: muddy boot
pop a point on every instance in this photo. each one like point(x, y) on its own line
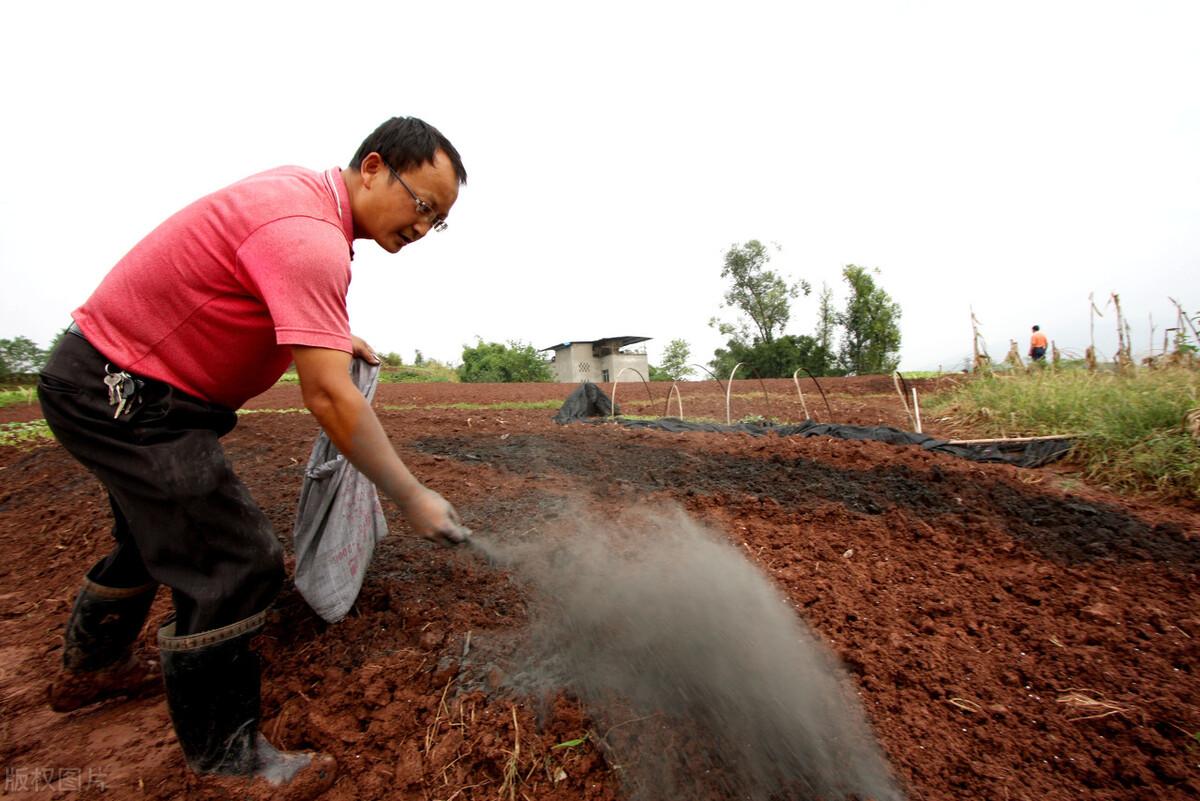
point(213, 686)
point(98, 658)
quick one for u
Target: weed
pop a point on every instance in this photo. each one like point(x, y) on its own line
point(512, 773)
point(404, 374)
point(418, 374)
point(21, 395)
point(1128, 424)
point(498, 406)
point(570, 743)
point(24, 433)
point(543, 404)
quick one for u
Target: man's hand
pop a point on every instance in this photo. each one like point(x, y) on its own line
point(364, 351)
point(353, 427)
point(433, 518)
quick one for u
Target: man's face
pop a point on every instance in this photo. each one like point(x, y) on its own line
point(389, 214)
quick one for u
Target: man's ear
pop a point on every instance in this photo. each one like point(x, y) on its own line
point(371, 168)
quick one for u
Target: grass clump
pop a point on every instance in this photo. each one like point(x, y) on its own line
point(497, 406)
point(25, 396)
point(26, 433)
point(1129, 424)
point(418, 374)
point(403, 374)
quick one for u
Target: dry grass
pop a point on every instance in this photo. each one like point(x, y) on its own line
point(1085, 704)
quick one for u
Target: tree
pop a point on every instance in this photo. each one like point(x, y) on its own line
point(674, 365)
point(778, 359)
point(827, 320)
point(491, 362)
point(871, 341)
point(758, 293)
point(20, 356)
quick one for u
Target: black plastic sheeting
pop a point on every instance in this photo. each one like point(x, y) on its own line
point(589, 401)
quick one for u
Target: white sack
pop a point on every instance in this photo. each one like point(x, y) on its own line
point(339, 521)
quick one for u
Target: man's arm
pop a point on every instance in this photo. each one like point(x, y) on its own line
point(352, 426)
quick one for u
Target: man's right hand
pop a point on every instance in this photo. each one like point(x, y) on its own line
point(432, 517)
point(355, 430)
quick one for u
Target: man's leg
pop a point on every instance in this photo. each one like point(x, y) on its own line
point(98, 660)
point(198, 531)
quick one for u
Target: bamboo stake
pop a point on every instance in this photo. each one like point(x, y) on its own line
point(1002, 440)
point(903, 400)
point(803, 405)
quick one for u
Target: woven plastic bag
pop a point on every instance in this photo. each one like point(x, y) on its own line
point(339, 521)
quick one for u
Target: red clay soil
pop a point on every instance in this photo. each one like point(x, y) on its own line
point(1014, 634)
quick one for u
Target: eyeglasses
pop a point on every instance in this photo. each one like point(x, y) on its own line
point(436, 221)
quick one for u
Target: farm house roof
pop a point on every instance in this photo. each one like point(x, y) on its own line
point(619, 342)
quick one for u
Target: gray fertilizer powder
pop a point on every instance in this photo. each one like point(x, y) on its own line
point(702, 680)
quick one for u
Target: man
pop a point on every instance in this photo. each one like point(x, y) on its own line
point(203, 314)
point(1037, 345)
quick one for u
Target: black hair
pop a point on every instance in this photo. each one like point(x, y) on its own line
point(407, 142)
point(1035, 328)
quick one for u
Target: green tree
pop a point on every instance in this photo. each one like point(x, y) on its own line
point(778, 359)
point(674, 365)
point(759, 294)
point(871, 339)
point(824, 357)
point(491, 362)
point(20, 356)
point(391, 359)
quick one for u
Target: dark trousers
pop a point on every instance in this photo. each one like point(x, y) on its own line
point(181, 516)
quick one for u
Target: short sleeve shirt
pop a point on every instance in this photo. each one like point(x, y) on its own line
point(212, 299)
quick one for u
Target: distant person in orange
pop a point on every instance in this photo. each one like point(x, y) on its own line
point(1037, 345)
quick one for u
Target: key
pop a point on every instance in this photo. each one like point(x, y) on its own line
point(113, 382)
point(129, 388)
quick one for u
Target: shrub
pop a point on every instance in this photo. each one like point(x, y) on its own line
point(491, 362)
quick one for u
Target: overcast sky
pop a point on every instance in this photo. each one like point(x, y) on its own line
point(1010, 157)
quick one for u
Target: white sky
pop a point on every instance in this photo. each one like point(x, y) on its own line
point(1011, 157)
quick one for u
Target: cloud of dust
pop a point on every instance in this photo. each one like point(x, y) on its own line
point(702, 680)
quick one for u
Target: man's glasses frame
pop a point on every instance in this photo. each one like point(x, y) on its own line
point(436, 221)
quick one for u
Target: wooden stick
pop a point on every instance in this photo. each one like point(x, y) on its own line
point(1001, 440)
point(903, 400)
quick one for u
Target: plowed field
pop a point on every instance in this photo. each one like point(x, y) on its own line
point(1012, 634)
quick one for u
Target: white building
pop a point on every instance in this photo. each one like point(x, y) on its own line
point(598, 360)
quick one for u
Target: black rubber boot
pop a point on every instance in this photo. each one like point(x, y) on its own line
point(213, 693)
point(98, 659)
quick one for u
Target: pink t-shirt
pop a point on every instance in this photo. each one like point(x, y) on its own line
point(210, 301)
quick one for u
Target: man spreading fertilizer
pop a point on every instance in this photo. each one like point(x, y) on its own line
point(203, 314)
